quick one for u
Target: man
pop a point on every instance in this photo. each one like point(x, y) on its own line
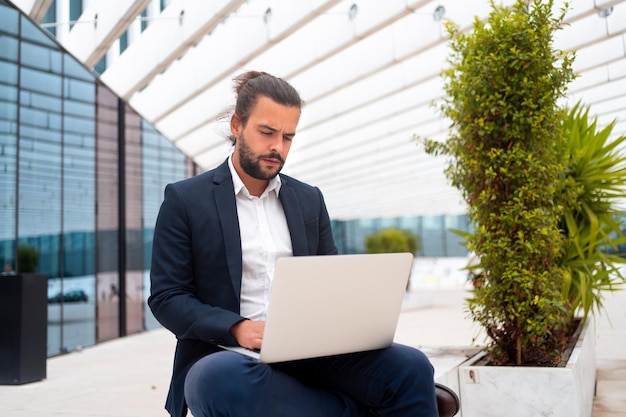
point(216, 240)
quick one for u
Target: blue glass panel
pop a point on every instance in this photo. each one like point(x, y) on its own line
point(32, 32)
point(8, 19)
point(8, 170)
point(34, 117)
point(79, 125)
point(8, 47)
point(80, 90)
point(8, 73)
point(8, 126)
point(56, 62)
point(8, 93)
point(41, 82)
point(41, 57)
point(28, 134)
point(79, 108)
point(41, 101)
point(54, 121)
point(75, 69)
point(8, 111)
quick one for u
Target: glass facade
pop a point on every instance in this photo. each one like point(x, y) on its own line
point(435, 233)
point(82, 178)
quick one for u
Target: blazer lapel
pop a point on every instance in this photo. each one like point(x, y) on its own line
point(295, 221)
point(227, 212)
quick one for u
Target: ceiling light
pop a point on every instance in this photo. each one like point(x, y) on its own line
point(439, 12)
point(606, 12)
point(354, 9)
point(267, 16)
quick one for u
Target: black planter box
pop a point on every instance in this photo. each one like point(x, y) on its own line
point(23, 328)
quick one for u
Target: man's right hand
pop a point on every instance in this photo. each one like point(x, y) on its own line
point(249, 333)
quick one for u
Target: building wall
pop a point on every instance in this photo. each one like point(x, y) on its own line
point(81, 181)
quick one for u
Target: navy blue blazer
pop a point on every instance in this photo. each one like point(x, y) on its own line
point(196, 262)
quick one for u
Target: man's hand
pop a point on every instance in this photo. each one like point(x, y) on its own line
point(248, 333)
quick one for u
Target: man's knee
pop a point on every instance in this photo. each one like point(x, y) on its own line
point(217, 377)
point(412, 360)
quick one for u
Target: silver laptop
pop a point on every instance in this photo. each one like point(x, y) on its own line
point(328, 305)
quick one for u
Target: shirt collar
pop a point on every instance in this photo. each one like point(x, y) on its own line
point(273, 185)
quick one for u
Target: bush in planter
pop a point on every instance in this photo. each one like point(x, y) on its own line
point(27, 259)
point(392, 240)
point(507, 158)
point(591, 221)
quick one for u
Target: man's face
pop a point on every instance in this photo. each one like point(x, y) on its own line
point(263, 143)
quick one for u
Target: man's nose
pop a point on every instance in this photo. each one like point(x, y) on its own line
point(276, 144)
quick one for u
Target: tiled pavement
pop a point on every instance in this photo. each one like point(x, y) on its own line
point(129, 377)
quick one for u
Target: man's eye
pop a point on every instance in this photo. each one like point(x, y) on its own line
point(266, 133)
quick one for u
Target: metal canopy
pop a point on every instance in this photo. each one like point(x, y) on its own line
point(368, 71)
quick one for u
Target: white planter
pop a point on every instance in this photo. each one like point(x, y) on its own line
point(497, 391)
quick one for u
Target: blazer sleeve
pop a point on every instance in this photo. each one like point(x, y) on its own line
point(175, 275)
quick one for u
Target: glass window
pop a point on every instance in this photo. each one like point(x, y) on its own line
point(40, 101)
point(8, 19)
point(8, 93)
point(78, 125)
point(8, 73)
point(123, 42)
point(41, 57)
point(41, 82)
point(8, 176)
point(101, 65)
point(8, 46)
point(33, 33)
point(80, 90)
point(50, 17)
point(144, 19)
point(76, 9)
point(74, 69)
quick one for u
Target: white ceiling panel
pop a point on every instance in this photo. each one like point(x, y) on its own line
point(369, 72)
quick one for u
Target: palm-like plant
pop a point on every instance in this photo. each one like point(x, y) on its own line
point(595, 183)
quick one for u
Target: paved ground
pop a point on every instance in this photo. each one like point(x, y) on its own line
point(129, 377)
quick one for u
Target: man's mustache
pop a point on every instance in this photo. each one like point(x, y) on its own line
point(272, 156)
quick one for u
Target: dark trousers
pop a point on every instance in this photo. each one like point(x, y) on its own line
point(396, 381)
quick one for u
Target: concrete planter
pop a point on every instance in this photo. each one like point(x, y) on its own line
point(568, 391)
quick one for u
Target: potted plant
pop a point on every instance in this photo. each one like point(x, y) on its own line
point(506, 147)
point(23, 321)
point(536, 238)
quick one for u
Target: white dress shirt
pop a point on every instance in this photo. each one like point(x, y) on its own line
point(264, 238)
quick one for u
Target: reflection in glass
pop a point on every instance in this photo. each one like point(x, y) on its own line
point(79, 281)
point(162, 163)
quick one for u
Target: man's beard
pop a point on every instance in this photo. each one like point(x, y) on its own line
point(251, 163)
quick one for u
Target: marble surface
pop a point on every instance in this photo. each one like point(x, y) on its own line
point(494, 391)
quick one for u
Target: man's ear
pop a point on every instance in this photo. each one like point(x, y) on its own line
point(235, 125)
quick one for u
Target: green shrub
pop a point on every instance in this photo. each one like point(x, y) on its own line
point(392, 241)
point(506, 149)
point(27, 258)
